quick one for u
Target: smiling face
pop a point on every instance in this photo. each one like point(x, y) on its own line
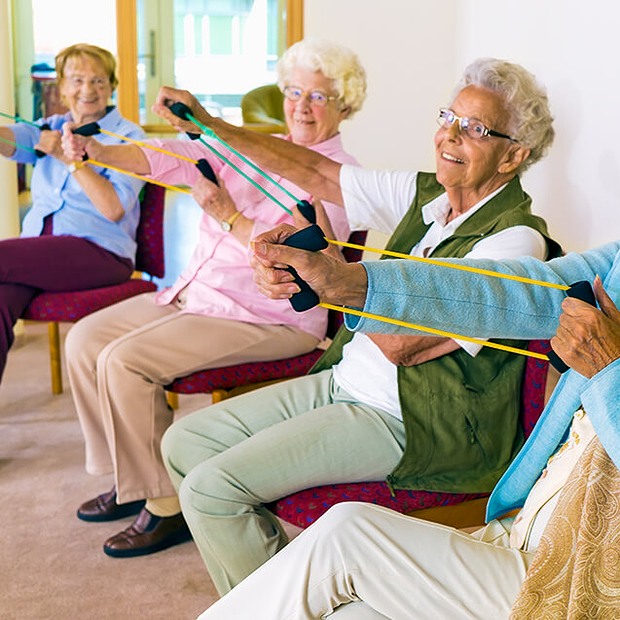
point(471, 169)
point(85, 88)
point(308, 123)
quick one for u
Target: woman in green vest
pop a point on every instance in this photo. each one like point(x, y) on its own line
point(422, 412)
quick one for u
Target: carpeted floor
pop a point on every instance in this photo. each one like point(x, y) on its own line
point(51, 563)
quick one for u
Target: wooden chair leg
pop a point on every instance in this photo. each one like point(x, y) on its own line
point(55, 363)
point(217, 396)
point(173, 400)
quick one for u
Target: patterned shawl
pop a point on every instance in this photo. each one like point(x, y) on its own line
point(575, 573)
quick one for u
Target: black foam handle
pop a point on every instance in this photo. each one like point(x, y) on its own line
point(181, 110)
point(307, 210)
point(44, 127)
point(311, 238)
point(90, 129)
point(205, 168)
point(579, 290)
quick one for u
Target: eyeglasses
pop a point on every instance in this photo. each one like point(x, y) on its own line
point(471, 127)
point(77, 81)
point(315, 97)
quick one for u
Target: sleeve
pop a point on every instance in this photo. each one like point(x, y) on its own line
point(178, 170)
point(478, 305)
point(600, 399)
point(509, 243)
point(376, 200)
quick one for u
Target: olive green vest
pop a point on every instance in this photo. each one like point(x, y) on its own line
point(461, 413)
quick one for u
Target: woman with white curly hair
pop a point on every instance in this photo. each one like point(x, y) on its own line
point(120, 359)
point(424, 412)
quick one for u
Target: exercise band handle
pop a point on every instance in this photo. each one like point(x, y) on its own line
point(205, 168)
point(312, 239)
point(44, 127)
point(182, 111)
point(90, 129)
point(305, 208)
point(579, 290)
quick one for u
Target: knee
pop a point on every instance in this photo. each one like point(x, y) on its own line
point(343, 518)
point(211, 490)
point(80, 345)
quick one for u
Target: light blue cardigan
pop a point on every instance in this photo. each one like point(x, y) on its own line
point(486, 307)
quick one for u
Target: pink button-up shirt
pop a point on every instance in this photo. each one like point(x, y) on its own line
point(218, 280)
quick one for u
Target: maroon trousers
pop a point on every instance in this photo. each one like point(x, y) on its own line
point(50, 263)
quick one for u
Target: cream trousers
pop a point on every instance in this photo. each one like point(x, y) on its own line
point(370, 563)
point(119, 360)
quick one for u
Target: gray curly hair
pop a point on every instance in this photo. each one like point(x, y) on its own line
point(526, 100)
point(335, 62)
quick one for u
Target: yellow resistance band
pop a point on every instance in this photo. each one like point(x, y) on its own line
point(431, 261)
point(137, 176)
point(146, 145)
point(435, 332)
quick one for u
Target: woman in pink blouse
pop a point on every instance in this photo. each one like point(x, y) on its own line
point(120, 358)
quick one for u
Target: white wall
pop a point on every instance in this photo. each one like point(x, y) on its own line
point(414, 51)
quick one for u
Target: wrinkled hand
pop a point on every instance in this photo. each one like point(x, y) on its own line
point(333, 281)
point(49, 143)
point(588, 339)
point(167, 96)
point(325, 225)
point(74, 147)
point(213, 199)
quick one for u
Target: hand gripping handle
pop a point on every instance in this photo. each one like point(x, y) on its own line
point(38, 152)
point(579, 290)
point(181, 110)
point(312, 239)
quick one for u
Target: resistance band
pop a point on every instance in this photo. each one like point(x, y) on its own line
point(92, 129)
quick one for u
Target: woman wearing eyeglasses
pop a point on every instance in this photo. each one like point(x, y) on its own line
point(422, 412)
point(80, 232)
point(120, 359)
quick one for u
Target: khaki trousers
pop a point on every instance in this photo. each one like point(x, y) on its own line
point(399, 567)
point(120, 358)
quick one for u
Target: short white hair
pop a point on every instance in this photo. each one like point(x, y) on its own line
point(526, 101)
point(335, 62)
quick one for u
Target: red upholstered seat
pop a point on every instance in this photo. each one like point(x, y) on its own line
point(305, 507)
point(70, 306)
point(218, 381)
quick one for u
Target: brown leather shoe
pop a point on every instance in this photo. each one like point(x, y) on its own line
point(104, 508)
point(148, 534)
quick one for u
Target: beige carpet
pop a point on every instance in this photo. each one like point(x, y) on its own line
point(51, 563)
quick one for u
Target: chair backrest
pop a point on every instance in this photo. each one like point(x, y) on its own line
point(534, 385)
point(335, 319)
point(264, 106)
point(150, 233)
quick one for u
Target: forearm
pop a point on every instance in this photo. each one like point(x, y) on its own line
point(124, 156)
point(308, 169)
point(474, 304)
point(6, 149)
point(101, 192)
point(413, 350)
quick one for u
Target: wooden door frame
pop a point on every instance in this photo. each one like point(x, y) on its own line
point(127, 49)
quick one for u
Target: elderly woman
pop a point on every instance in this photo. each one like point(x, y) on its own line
point(120, 359)
point(80, 231)
point(425, 412)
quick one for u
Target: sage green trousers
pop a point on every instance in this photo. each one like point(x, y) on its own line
point(230, 459)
